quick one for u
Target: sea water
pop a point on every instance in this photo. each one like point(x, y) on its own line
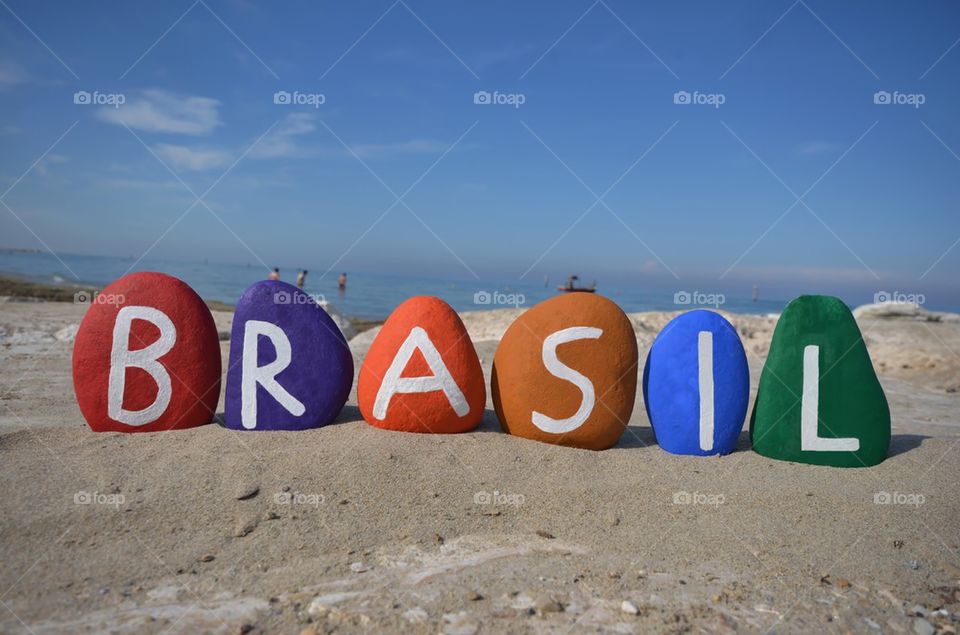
point(369, 296)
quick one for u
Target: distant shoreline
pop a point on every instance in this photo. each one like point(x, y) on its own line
point(19, 287)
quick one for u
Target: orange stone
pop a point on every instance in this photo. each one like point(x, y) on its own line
point(565, 372)
point(422, 373)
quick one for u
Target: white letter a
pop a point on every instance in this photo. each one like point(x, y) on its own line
point(441, 379)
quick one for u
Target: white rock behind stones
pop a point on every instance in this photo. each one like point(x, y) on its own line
point(902, 311)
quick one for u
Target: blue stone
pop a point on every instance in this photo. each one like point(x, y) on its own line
point(298, 369)
point(672, 381)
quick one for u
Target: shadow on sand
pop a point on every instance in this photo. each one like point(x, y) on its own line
point(643, 436)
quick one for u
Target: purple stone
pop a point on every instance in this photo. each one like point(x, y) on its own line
point(298, 369)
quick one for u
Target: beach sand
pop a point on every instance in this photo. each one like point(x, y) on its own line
point(354, 529)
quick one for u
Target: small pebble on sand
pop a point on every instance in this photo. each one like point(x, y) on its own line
point(244, 527)
point(546, 604)
point(629, 608)
point(247, 491)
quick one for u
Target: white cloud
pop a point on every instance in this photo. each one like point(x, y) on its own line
point(817, 147)
point(805, 274)
point(282, 142)
point(162, 111)
point(196, 160)
point(47, 161)
point(285, 141)
point(414, 146)
point(141, 184)
point(11, 73)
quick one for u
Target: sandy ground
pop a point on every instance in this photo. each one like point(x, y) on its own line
point(354, 529)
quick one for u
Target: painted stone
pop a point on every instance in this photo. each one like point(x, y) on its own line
point(565, 372)
point(422, 373)
point(819, 400)
point(147, 357)
point(696, 385)
point(290, 366)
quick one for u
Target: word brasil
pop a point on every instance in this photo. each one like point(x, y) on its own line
point(565, 372)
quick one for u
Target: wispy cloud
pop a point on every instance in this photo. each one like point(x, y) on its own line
point(282, 141)
point(414, 146)
point(141, 184)
point(161, 111)
point(649, 266)
point(11, 73)
point(503, 55)
point(193, 159)
point(287, 141)
point(810, 148)
point(49, 160)
point(805, 274)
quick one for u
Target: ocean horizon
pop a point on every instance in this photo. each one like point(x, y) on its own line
point(370, 296)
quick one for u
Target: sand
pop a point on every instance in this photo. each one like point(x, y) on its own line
point(355, 529)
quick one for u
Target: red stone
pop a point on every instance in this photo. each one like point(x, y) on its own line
point(436, 328)
point(191, 361)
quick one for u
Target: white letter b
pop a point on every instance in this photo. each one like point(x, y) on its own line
point(121, 358)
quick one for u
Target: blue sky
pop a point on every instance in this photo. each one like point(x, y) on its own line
point(700, 194)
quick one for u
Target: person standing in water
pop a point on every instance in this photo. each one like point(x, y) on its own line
point(274, 275)
point(342, 281)
point(301, 278)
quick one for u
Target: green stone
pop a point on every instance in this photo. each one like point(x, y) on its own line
point(847, 420)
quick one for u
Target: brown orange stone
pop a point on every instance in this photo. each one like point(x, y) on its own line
point(565, 372)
